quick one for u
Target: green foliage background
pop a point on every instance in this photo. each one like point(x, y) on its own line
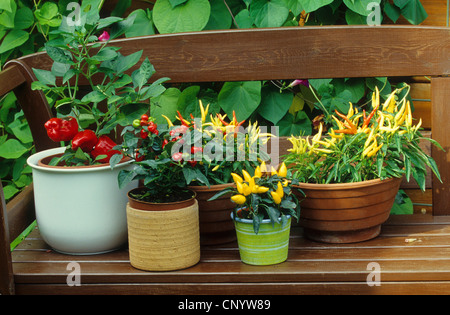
point(25, 26)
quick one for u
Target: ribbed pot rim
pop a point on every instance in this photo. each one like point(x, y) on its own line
point(341, 186)
point(248, 221)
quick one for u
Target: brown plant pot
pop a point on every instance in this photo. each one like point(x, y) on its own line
point(348, 212)
point(216, 226)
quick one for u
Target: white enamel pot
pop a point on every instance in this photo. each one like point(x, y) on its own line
point(80, 211)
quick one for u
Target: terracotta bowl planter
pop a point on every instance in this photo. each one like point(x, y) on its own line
point(216, 226)
point(346, 213)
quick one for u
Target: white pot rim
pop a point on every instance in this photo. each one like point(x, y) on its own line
point(32, 161)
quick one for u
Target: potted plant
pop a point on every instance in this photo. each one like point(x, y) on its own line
point(264, 207)
point(162, 213)
point(79, 208)
point(351, 175)
point(214, 148)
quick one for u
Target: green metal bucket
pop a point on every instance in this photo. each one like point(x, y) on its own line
point(268, 247)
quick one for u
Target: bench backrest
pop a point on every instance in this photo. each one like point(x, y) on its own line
point(270, 54)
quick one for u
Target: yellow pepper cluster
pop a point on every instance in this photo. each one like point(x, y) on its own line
point(393, 117)
point(247, 184)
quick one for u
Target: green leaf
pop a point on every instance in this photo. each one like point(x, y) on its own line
point(9, 191)
point(143, 74)
point(243, 19)
point(45, 77)
point(125, 177)
point(174, 3)
point(412, 10)
point(13, 39)
point(220, 17)
point(58, 54)
point(21, 130)
point(23, 19)
point(191, 16)
point(126, 62)
point(130, 112)
point(274, 105)
point(142, 25)
point(7, 5)
point(48, 14)
point(360, 6)
point(269, 13)
point(166, 104)
point(313, 5)
point(102, 23)
point(242, 97)
point(12, 149)
point(393, 12)
point(93, 97)
point(296, 125)
point(7, 16)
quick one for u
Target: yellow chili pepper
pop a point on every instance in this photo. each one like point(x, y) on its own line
point(262, 189)
point(237, 178)
point(247, 176)
point(238, 199)
point(246, 189)
point(258, 172)
point(169, 122)
point(273, 171)
point(282, 171)
point(276, 197)
point(280, 191)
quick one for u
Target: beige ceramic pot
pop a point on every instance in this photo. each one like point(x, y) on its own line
point(163, 237)
point(346, 213)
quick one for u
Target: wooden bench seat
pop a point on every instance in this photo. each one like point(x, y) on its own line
point(413, 251)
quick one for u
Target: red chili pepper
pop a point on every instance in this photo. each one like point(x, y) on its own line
point(177, 156)
point(59, 129)
point(104, 147)
point(152, 127)
point(144, 134)
point(139, 157)
point(165, 142)
point(196, 149)
point(86, 140)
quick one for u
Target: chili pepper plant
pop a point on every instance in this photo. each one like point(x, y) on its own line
point(265, 195)
point(362, 146)
point(214, 147)
point(87, 119)
point(159, 170)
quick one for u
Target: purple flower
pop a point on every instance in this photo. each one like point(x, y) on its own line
point(104, 37)
point(297, 82)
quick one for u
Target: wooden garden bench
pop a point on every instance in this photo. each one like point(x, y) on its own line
point(413, 251)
